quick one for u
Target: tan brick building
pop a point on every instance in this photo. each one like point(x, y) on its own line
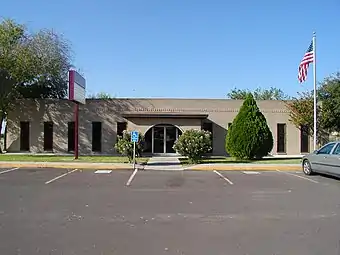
point(47, 125)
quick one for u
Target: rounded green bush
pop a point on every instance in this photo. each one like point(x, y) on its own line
point(194, 144)
point(124, 146)
point(249, 136)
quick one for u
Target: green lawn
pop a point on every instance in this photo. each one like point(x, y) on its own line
point(230, 160)
point(56, 158)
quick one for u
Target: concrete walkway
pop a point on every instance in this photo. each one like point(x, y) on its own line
point(163, 163)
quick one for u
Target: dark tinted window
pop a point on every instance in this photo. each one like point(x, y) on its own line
point(121, 126)
point(337, 149)
point(326, 149)
point(208, 126)
point(96, 136)
point(304, 139)
point(71, 136)
point(24, 136)
point(281, 138)
point(48, 136)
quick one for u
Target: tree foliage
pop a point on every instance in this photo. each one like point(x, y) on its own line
point(31, 65)
point(100, 95)
point(124, 146)
point(258, 94)
point(194, 144)
point(301, 109)
point(329, 95)
point(249, 136)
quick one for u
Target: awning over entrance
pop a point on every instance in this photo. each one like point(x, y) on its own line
point(165, 115)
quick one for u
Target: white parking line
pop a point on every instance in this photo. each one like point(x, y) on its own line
point(9, 170)
point(60, 176)
point(250, 172)
point(223, 177)
point(305, 178)
point(103, 171)
point(131, 177)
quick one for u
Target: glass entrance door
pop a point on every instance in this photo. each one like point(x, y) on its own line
point(161, 138)
point(158, 139)
point(171, 136)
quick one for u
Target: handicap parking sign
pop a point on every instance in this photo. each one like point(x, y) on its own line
point(134, 136)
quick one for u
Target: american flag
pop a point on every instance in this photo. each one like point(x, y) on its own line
point(304, 64)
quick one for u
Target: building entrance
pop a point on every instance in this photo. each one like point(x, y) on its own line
point(161, 138)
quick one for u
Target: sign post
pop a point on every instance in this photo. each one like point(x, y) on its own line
point(77, 88)
point(134, 139)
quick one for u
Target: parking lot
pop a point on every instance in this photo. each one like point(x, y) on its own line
point(71, 211)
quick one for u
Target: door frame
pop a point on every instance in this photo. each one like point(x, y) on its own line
point(164, 126)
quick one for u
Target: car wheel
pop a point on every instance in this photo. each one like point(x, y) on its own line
point(307, 168)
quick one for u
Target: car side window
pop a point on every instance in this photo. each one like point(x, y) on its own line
point(326, 149)
point(337, 149)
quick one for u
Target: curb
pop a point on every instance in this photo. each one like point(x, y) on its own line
point(63, 166)
point(244, 168)
point(241, 167)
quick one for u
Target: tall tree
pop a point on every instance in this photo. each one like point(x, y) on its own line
point(31, 65)
point(301, 109)
point(329, 95)
point(249, 136)
point(54, 56)
point(258, 94)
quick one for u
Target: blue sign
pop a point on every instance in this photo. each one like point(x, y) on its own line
point(134, 136)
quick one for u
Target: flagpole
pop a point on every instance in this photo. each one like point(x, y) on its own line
point(315, 101)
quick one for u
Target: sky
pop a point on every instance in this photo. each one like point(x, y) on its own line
point(189, 48)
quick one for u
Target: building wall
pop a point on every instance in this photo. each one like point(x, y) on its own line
point(109, 112)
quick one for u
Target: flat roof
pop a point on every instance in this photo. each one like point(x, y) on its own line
point(165, 115)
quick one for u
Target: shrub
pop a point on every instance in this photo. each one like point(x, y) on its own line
point(249, 136)
point(194, 144)
point(124, 146)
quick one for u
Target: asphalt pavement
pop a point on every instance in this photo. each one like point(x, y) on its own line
point(71, 211)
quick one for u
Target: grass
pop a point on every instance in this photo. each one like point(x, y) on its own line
point(230, 160)
point(57, 158)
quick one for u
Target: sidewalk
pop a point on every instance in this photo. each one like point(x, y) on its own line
point(164, 163)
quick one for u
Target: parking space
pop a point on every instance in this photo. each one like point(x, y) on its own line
point(7, 170)
point(176, 181)
point(89, 178)
point(68, 211)
point(30, 176)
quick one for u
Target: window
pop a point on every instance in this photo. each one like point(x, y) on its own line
point(121, 126)
point(48, 136)
point(208, 126)
point(229, 124)
point(71, 136)
point(24, 136)
point(304, 139)
point(337, 149)
point(326, 149)
point(96, 136)
point(281, 138)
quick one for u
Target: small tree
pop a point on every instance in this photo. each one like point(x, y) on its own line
point(249, 136)
point(194, 144)
point(124, 145)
